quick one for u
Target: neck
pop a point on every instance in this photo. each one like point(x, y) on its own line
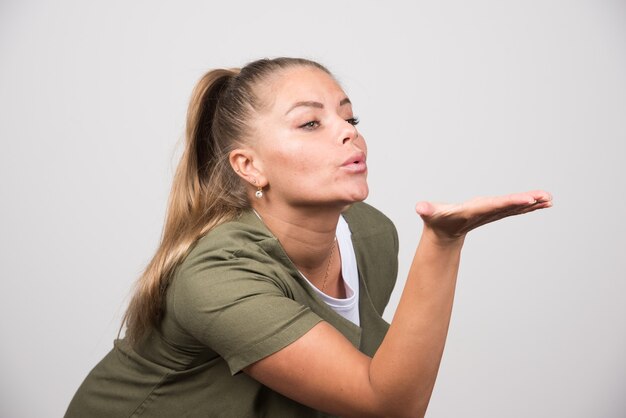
point(306, 234)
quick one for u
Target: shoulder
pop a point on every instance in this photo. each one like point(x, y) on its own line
point(376, 248)
point(244, 230)
point(229, 262)
point(234, 294)
point(365, 220)
point(244, 238)
point(364, 216)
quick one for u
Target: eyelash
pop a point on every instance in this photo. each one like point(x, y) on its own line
point(310, 125)
point(353, 121)
point(314, 123)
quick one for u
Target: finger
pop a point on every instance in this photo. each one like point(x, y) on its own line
point(536, 206)
point(430, 210)
point(483, 210)
point(541, 195)
point(532, 196)
point(425, 209)
point(497, 204)
point(512, 211)
point(482, 207)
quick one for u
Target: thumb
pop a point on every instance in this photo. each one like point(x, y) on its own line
point(425, 209)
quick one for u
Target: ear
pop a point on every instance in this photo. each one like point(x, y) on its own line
point(248, 166)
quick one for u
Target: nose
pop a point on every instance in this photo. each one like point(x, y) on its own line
point(350, 133)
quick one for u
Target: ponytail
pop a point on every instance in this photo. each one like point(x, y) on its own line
point(192, 209)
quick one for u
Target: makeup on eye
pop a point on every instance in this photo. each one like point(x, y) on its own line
point(314, 123)
point(353, 120)
point(310, 125)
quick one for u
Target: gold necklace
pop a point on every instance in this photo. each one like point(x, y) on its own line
point(330, 260)
point(330, 256)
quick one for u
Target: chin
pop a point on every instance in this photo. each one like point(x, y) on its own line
point(357, 198)
point(360, 194)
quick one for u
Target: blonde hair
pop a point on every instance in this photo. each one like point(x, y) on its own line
point(206, 191)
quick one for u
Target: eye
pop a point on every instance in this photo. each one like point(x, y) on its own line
point(310, 125)
point(353, 121)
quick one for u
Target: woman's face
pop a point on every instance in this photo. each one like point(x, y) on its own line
point(306, 142)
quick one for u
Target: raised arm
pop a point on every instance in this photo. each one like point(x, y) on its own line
point(323, 370)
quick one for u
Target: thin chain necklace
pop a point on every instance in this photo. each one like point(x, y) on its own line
point(330, 260)
point(330, 256)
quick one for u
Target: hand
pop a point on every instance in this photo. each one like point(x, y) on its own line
point(453, 221)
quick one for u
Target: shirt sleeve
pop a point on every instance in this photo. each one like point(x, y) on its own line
point(237, 303)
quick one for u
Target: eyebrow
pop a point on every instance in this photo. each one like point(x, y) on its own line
point(316, 104)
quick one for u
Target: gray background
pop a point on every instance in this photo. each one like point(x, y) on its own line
point(457, 99)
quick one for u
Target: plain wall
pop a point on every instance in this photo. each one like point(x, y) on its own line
point(456, 98)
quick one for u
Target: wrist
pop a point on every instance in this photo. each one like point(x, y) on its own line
point(442, 240)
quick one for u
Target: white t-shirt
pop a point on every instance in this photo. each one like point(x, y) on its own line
point(348, 307)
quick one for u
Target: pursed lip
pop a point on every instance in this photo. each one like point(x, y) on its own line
point(355, 164)
point(356, 158)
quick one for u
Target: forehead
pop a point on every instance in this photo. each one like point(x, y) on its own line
point(301, 83)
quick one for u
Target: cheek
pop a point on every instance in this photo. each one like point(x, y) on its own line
point(306, 175)
point(295, 165)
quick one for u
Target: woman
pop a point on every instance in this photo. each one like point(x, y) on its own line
point(266, 293)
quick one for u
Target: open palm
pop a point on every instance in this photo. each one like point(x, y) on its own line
point(455, 220)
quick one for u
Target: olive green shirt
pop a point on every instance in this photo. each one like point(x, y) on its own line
point(234, 300)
